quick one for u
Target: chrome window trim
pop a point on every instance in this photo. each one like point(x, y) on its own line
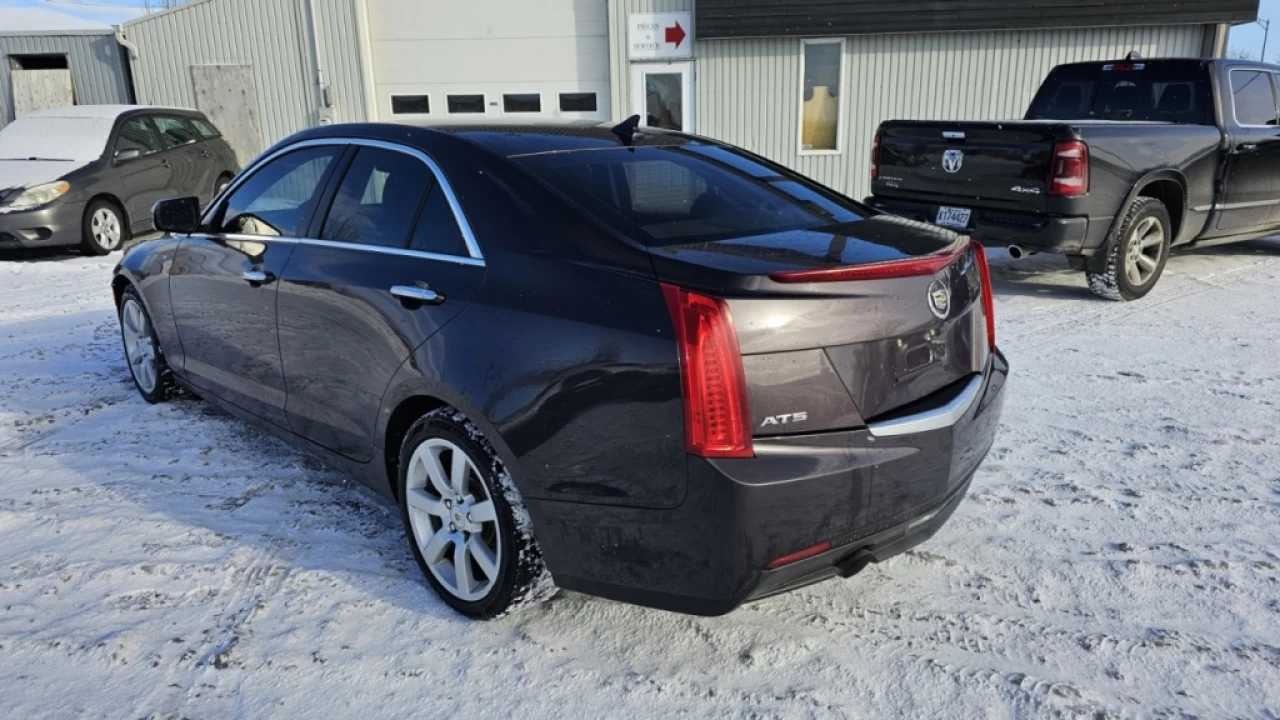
point(380, 249)
point(935, 419)
point(460, 217)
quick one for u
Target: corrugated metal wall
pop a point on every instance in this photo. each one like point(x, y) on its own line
point(274, 36)
point(748, 91)
point(97, 67)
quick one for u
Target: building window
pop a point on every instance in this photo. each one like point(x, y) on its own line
point(822, 82)
point(578, 102)
point(522, 103)
point(38, 62)
point(466, 104)
point(410, 105)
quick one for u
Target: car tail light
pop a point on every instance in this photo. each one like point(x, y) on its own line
point(1070, 174)
point(875, 158)
point(988, 294)
point(796, 557)
point(909, 267)
point(717, 424)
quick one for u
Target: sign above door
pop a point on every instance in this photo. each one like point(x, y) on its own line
point(660, 36)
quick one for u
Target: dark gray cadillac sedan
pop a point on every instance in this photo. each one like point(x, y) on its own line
point(88, 175)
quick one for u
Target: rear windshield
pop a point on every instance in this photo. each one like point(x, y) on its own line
point(1126, 91)
point(690, 193)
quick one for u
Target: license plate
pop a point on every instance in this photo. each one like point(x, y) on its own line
point(953, 217)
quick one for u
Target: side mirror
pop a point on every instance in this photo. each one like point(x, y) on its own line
point(177, 215)
point(128, 154)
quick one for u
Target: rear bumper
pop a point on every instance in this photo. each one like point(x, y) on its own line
point(1040, 233)
point(56, 224)
point(870, 497)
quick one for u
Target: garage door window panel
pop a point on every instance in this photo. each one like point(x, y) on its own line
point(465, 104)
point(821, 101)
point(378, 200)
point(276, 201)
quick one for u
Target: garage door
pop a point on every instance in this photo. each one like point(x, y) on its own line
point(444, 60)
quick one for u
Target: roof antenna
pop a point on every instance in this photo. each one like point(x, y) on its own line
point(1133, 55)
point(626, 130)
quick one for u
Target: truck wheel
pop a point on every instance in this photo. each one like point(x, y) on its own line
point(1135, 255)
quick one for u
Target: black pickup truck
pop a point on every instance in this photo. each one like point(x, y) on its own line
point(1115, 164)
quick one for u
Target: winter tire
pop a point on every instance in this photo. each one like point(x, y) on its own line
point(104, 229)
point(1136, 254)
point(142, 350)
point(465, 520)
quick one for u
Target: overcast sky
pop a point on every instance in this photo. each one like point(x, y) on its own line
point(1243, 37)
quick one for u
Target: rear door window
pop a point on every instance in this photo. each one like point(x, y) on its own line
point(205, 128)
point(378, 199)
point(1253, 97)
point(176, 131)
point(437, 230)
point(276, 200)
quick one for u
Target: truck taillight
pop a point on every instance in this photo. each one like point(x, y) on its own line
point(717, 423)
point(875, 158)
point(1070, 173)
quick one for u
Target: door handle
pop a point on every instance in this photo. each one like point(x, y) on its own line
point(417, 293)
point(206, 154)
point(257, 277)
point(1246, 148)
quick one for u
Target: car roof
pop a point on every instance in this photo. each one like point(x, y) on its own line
point(510, 140)
point(101, 111)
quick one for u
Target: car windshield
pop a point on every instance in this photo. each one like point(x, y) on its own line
point(55, 138)
point(1126, 91)
point(678, 194)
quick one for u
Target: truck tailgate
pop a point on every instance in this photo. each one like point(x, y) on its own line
point(993, 165)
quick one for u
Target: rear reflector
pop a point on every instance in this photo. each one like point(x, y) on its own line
point(1070, 174)
point(796, 557)
point(988, 294)
point(716, 421)
point(908, 267)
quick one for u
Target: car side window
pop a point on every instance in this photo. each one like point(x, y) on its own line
point(437, 230)
point(276, 200)
point(176, 131)
point(378, 199)
point(137, 134)
point(1253, 97)
point(205, 128)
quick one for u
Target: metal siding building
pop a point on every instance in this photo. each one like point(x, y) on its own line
point(96, 61)
point(293, 86)
point(748, 91)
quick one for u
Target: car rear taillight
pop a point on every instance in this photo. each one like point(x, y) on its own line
point(1070, 173)
point(988, 294)
point(908, 267)
point(717, 424)
point(875, 158)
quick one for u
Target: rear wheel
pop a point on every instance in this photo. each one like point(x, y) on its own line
point(104, 229)
point(465, 520)
point(1136, 254)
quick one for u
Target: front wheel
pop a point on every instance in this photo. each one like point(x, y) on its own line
point(104, 229)
point(465, 520)
point(142, 349)
point(1136, 254)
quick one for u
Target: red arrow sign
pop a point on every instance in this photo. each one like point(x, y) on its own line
point(675, 34)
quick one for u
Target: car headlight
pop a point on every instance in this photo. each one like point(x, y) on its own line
point(39, 195)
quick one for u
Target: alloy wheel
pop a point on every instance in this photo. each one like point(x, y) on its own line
point(453, 519)
point(1144, 251)
point(105, 226)
point(139, 348)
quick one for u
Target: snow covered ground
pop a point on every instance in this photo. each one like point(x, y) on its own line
point(1119, 554)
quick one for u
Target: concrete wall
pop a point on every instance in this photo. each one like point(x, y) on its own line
point(98, 71)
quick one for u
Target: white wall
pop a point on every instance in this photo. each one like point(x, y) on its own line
point(439, 47)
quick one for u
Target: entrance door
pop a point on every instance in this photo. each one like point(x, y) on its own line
point(662, 95)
